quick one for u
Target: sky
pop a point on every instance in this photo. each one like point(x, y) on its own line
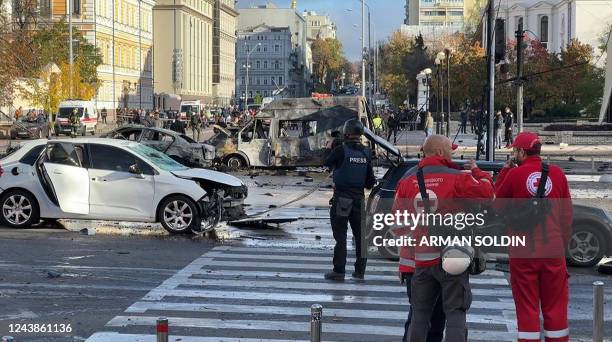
point(387, 17)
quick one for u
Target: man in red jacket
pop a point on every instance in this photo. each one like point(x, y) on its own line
point(538, 273)
point(444, 182)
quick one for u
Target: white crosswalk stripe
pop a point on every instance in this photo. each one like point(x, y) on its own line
point(264, 294)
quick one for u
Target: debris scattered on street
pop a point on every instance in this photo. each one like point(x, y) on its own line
point(53, 274)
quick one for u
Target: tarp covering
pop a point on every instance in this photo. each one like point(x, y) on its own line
point(607, 95)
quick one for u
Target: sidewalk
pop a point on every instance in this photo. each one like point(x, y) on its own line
point(409, 142)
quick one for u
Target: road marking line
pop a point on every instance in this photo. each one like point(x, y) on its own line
point(299, 275)
point(399, 315)
point(117, 337)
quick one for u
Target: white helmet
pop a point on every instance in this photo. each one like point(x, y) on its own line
point(456, 259)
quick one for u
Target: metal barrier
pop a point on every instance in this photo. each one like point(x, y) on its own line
point(7, 339)
point(598, 311)
point(316, 313)
point(161, 329)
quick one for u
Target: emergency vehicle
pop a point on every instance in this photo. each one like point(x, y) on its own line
point(195, 106)
point(86, 111)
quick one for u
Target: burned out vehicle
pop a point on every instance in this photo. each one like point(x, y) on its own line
point(288, 132)
point(179, 147)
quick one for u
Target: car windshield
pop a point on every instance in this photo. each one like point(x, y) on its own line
point(157, 158)
point(64, 112)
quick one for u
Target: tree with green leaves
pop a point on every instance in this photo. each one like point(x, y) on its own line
point(328, 62)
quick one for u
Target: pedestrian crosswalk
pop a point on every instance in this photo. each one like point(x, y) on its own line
point(235, 293)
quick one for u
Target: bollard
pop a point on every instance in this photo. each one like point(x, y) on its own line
point(598, 311)
point(162, 329)
point(7, 339)
point(316, 313)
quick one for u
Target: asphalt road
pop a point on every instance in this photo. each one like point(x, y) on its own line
point(53, 276)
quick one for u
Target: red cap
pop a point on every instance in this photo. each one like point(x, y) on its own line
point(525, 140)
point(454, 146)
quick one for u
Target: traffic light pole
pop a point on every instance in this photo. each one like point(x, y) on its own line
point(491, 81)
point(519, 76)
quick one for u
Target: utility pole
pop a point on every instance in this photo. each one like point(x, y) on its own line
point(519, 76)
point(70, 55)
point(448, 94)
point(363, 50)
point(491, 80)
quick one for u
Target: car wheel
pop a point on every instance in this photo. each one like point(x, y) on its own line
point(19, 209)
point(586, 246)
point(235, 162)
point(179, 215)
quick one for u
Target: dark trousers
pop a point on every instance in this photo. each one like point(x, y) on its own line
point(428, 284)
point(340, 227)
point(392, 131)
point(463, 128)
point(437, 321)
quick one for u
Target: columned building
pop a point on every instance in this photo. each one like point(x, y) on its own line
point(318, 26)
point(556, 22)
point(123, 32)
point(183, 54)
point(224, 52)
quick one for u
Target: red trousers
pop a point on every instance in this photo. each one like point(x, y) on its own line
point(540, 283)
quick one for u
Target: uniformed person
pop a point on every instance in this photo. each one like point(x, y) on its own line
point(351, 163)
point(75, 123)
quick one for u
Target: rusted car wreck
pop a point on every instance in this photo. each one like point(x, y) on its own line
point(288, 132)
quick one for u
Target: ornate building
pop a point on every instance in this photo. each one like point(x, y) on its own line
point(123, 32)
point(224, 52)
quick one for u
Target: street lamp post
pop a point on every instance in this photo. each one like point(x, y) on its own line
point(427, 73)
point(363, 57)
point(70, 53)
point(440, 110)
point(246, 81)
point(448, 94)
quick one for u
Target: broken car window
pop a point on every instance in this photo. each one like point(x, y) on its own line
point(297, 129)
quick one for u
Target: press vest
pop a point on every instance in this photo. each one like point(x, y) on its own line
point(353, 170)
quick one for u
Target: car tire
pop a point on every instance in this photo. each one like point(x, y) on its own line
point(19, 209)
point(179, 215)
point(586, 246)
point(235, 162)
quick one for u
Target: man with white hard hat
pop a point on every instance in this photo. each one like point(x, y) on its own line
point(440, 273)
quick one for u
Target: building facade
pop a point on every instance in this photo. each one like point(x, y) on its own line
point(556, 22)
point(183, 54)
point(269, 62)
point(436, 15)
point(300, 65)
point(122, 30)
point(319, 26)
point(224, 52)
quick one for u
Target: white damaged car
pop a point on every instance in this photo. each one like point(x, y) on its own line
point(109, 179)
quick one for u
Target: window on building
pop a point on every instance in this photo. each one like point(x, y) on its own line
point(265, 64)
point(265, 48)
point(544, 30)
point(45, 8)
point(280, 80)
point(265, 81)
point(242, 80)
point(276, 48)
point(258, 48)
point(257, 81)
point(258, 64)
point(76, 7)
point(276, 65)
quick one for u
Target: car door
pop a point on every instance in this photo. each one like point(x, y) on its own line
point(255, 142)
point(65, 177)
point(115, 192)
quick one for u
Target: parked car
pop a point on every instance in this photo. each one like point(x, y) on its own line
point(179, 147)
point(591, 239)
point(109, 179)
point(30, 128)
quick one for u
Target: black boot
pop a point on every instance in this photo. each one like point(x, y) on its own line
point(335, 276)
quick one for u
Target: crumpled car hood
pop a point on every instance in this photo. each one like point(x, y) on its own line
point(210, 175)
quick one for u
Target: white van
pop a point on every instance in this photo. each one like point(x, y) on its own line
point(195, 106)
point(86, 111)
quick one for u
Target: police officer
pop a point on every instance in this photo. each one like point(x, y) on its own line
point(351, 163)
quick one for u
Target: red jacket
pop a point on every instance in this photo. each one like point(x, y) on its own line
point(447, 182)
point(522, 182)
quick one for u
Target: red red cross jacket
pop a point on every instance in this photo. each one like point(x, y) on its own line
point(522, 182)
point(446, 181)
